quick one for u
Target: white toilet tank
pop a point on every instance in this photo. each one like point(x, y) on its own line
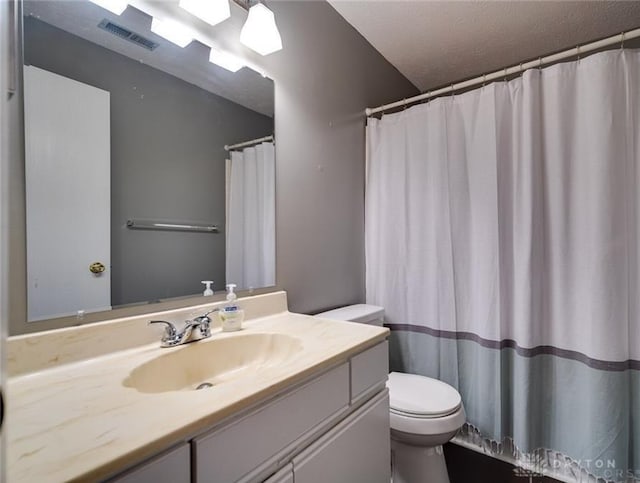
point(363, 313)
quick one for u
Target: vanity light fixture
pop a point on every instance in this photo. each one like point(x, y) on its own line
point(211, 11)
point(226, 60)
point(114, 6)
point(260, 32)
point(173, 31)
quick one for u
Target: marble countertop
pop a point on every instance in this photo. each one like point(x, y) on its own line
point(77, 421)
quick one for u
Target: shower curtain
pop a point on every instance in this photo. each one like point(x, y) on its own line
point(251, 232)
point(502, 238)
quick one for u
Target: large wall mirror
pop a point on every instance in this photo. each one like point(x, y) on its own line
point(148, 168)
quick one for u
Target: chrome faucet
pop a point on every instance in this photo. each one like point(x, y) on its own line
point(196, 329)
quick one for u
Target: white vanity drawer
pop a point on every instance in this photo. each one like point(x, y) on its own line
point(228, 454)
point(369, 371)
point(173, 466)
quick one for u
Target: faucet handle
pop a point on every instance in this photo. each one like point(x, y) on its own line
point(169, 332)
point(203, 323)
point(209, 312)
point(204, 317)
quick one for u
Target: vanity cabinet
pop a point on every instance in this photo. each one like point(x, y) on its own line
point(245, 449)
point(355, 451)
point(285, 475)
point(332, 428)
point(173, 466)
point(368, 369)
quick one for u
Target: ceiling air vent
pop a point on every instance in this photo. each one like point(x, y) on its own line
point(127, 34)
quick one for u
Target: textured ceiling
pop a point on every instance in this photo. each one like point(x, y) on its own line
point(434, 43)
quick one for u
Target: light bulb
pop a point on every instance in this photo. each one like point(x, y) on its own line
point(173, 31)
point(225, 60)
point(260, 32)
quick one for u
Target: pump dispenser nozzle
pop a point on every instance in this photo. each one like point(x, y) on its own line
point(208, 290)
point(231, 295)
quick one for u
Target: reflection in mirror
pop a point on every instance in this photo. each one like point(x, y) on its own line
point(125, 130)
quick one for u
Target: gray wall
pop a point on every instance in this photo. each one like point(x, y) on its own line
point(167, 162)
point(325, 76)
point(5, 67)
point(13, 164)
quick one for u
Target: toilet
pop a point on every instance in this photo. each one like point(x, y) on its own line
point(424, 413)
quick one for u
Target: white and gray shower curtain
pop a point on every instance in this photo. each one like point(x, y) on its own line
point(502, 238)
point(251, 230)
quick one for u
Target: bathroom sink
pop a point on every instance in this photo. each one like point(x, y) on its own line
point(212, 362)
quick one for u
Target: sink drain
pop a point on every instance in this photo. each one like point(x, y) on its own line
point(204, 385)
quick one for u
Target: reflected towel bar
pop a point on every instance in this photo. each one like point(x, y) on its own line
point(158, 225)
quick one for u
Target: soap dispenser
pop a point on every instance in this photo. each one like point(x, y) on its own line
point(231, 315)
point(208, 290)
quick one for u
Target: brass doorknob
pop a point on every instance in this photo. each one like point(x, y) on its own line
point(97, 268)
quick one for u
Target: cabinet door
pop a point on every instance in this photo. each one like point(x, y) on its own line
point(355, 451)
point(171, 467)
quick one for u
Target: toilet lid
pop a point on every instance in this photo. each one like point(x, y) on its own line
point(420, 396)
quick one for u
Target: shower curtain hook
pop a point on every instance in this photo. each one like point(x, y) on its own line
point(505, 74)
point(453, 92)
point(484, 79)
point(578, 52)
point(404, 104)
point(622, 42)
point(539, 63)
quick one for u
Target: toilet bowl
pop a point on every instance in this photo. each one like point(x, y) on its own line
point(424, 413)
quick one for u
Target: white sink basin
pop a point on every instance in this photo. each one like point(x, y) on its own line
point(211, 362)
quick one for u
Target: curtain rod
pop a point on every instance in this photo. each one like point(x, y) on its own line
point(516, 69)
point(229, 147)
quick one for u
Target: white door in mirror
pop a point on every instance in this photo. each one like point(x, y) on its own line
point(68, 188)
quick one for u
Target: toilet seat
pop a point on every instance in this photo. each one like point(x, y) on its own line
point(421, 397)
point(420, 416)
point(423, 406)
point(427, 426)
